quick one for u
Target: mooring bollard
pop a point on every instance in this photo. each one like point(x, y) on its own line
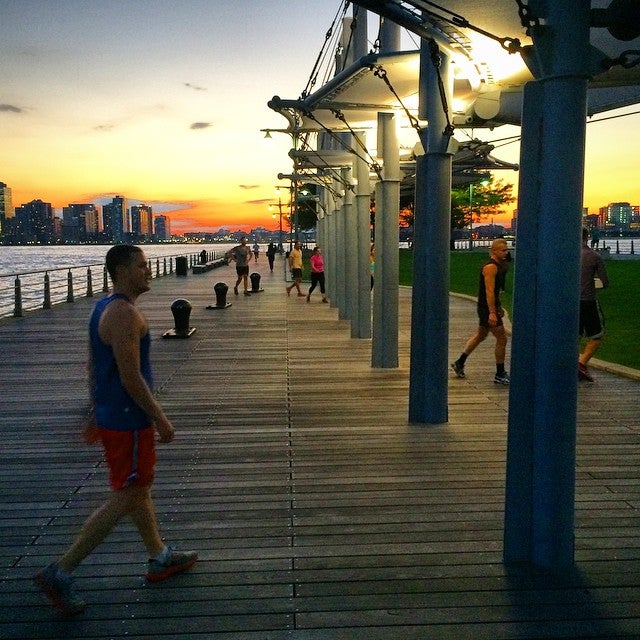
point(181, 310)
point(255, 282)
point(220, 289)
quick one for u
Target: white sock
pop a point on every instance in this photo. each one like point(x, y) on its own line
point(163, 556)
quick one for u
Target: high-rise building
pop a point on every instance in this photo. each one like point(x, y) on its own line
point(6, 208)
point(618, 216)
point(142, 221)
point(34, 223)
point(162, 227)
point(80, 222)
point(115, 219)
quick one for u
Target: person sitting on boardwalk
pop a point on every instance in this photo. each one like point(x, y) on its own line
point(242, 255)
point(295, 264)
point(591, 318)
point(125, 417)
point(317, 274)
point(490, 312)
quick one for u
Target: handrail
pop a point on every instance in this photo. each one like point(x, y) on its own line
point(25, 291)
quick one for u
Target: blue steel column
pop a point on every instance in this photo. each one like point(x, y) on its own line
point(338, 253)
point(384, 348)
point(350, 247)
point(428, 379)
point(363, 199)
point(540, 483)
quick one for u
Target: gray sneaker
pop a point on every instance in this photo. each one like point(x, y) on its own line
point(176, 562)
point(458, 369)
point(502, 378)
point(58, 588)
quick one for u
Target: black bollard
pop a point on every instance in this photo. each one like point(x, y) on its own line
point(255, 282)
point(181, 310)
point(220, 289)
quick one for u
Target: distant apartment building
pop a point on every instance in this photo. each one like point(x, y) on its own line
point(33, 223)
point(116, 223)
point(6, 208)
point(616, 217)
point(142, 221)
point(162, 228)
point(79, 222)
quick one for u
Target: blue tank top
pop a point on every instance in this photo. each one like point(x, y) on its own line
point(115, 409)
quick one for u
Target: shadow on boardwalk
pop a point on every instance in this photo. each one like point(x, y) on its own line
point(318, 511)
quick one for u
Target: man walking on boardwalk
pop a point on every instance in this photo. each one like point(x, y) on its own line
point(242, 255)
point(490, 312)
point(125, 418)
point(295, 264)
point(591, 318)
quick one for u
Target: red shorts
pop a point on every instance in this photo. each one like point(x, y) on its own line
point(131, 456)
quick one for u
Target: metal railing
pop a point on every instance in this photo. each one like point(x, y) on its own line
point(31, 290)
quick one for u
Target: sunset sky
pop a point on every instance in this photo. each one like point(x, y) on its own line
point(163, 101)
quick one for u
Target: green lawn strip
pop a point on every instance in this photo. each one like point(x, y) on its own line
point(620, 302)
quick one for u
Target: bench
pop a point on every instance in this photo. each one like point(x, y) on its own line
point(203, 267)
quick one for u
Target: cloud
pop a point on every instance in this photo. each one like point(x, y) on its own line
point(195, 87)
point(248, 186)
point(262, 201)
point(9, 108)
point(200, 125)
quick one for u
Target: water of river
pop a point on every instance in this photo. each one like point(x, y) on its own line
point(15, 260)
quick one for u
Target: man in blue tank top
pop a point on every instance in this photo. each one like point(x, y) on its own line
point(490, 312)
point(126, 417)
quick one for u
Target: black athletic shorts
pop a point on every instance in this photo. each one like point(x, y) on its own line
point(591, 319)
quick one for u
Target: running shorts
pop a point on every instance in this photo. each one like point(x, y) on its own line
point(130, 456)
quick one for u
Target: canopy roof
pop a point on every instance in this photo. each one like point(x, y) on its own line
point(488, 79)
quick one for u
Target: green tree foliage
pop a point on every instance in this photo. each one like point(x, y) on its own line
point(479, 202)
point(485, 201)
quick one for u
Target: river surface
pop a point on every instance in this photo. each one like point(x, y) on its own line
point(14, 260)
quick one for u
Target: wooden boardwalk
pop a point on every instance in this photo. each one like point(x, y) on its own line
point(318, 512)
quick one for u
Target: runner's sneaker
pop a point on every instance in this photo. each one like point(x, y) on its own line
point(176, 562)
point(502, 378)
point(57, 587)
point(583, 373)
point(458, 369)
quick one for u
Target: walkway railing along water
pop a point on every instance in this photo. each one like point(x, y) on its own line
point(610, 246)
point(31, 290)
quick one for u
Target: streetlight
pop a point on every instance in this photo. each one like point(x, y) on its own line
point(279, 214)
point(483, 183)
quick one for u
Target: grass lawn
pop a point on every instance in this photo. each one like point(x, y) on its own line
point(620, 302)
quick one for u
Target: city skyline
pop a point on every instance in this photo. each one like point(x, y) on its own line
point(165, 103)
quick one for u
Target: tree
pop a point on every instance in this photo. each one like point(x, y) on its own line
point(473, 203)
point(485, 200)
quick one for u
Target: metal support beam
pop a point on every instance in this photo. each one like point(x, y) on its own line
point(362, 320)
point(384, 348)
point(540, 484)
point(428, 379)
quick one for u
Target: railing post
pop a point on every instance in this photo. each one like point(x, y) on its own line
point(170, 264)
point(157, 267)
point(69, 286)
point(105, 280)
point(17, 307)
point(89, 284)
point(632, 251)
point(46, 303)
point(618, 246)
point(164, 260)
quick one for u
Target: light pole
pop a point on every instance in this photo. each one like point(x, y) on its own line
point(484, 183)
